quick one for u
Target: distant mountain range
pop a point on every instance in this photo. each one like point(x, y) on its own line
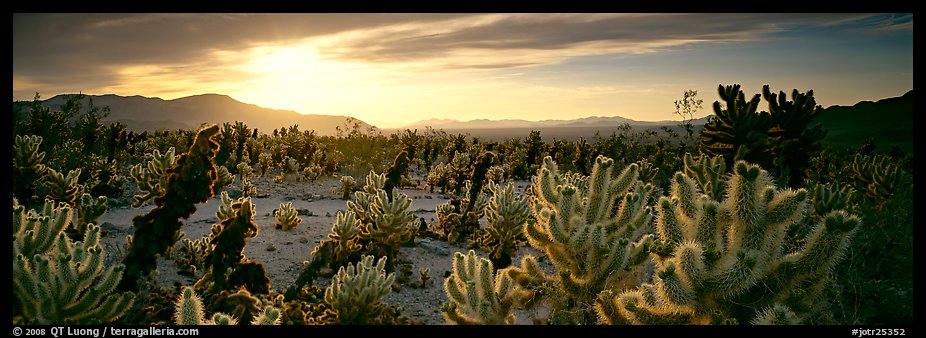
point(141, 113)
point(592, 121)
point(888, 122)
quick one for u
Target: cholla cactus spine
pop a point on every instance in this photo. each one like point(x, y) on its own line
point(63, 281)
point(151, 177)
point(347, 186)
point(63, 188)
point(725, 250)
point(225, 178)
point(189, 310)
point(286, 216)
point(506, 213)
point(592, 236)
point(356, 290)
point(487, 297)
point(89, 210)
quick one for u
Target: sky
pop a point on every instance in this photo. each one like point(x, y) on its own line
point(391, 69)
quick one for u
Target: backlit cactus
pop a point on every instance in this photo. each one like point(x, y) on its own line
point(347, 186)
point(344, 238)
point(61, 188)
point(189, 182)
point(223, 178)
point(356, 290)
point(709, 172)
point(477, 294)
point(28, 170)
point(727, 261)
point(506, 213)
point(89, 210)
point(286, 216)
point(151, 176)
point(228, 241)
point(57, 280)
point(593, 235)
point(189, 310)
point(876, 176)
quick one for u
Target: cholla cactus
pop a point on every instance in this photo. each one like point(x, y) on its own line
point(225, 210)
point(28, 169)
point(593, 236)
point(247, 187)
point(347, 186)
point(193, 253)
point(189, 182)
point(709, 172)
point(264, 162)
point(189, 310)
point(270, 316)
point(228, 241)
point(58, 281)
point(355, 291)
point(63, 188)
point(725, 261)
point(289, 165)
point(313, 172)
point(345, 234)
point(506, 213)
point(459, 217)
point(439, 176)
point(151, 176)
point(224, 178)
point(89, 210)
point(487, 298)
point(385, 224)
point(286, 216)
point(875, 176)
point(831, 197)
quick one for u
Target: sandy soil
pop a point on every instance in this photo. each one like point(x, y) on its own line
point(282, 252)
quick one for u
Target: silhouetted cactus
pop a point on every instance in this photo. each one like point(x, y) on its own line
point(188, 182)
point(151, 176)
point(737, 127)
point(726, 261)
point(477, 295)
point(594, 231)
point(286, 217)
point(394, 173)
point(228, 241)
point(28, 170)
point(356, 290)
point(793, 142)
point(506, 213)
point(59, 281)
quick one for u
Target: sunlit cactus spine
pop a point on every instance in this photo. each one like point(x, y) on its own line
point(506, 213)
point(28, 170)
point(61, 188)
point(264, 162)
point(188, 183)
point(189, 310)
point(345, 236)
point(455, 221)
point(709, 172)
point(356, 290)
point(286, 216)
point(89, 210)
point(151, 176)
point(385, 224)
point(595, 236)
point(347, 186)
point(247, 186)
point(223, 178)
point(57, 280)
point(477, 294)
point(726, 261)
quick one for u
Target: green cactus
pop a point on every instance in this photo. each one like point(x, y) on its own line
point(484, 296)
point(151, 176)
point(28, 169)
point(58, 281)
point(455, 221)
point(193, 253)
point(737, 128)
point(270, 316)
point(356, 290)
point(439, 176)
point(286, 216)
point(730, 261)
point(247, 187)
point(223, 178)
point(385, 225)
point(189, 310)
point(506, 213)
point(831, 197)
point(189, 182)
point(89, 210)
point(344, 239)
point(593, 233)
point(876, 176)
point(264, 162)
point(709, 172)
point(62, 188)
point(347, 186)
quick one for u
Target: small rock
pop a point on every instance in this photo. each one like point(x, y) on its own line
point(447, 273)
point(304, 212)
point(289, 198)
point(288, 243)
point(435, 248)
point(303, 240)
point(327, 214)
point(271, 248)
point(428, 197)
